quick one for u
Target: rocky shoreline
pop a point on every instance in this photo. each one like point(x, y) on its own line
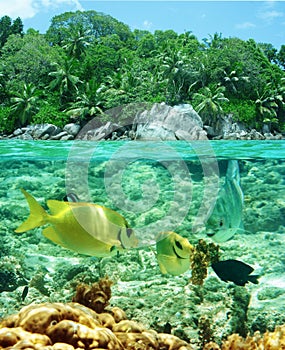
point(160, 122)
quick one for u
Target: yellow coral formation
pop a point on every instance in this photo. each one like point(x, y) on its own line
point(270, 341)
point(72, 326)
point(58, 326)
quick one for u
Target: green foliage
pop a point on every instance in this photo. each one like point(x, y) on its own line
point(50, 113)
point(88, 103)
point(64, 79)
point(88, 62)
point(281, 56)
point(8, 28)
point(208, 102)
point(242, 110)
point(25, 104)
point(7, 121)
point(27, 59)
point(95, 23)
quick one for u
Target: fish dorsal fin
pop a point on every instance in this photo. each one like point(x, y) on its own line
point(56, 207)
point(114, 217)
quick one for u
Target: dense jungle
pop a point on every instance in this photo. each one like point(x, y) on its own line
point(88, 62)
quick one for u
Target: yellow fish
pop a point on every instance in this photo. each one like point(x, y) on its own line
point(173, 253)
point(86, 228)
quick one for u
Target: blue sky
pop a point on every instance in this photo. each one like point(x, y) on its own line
point(264, 21)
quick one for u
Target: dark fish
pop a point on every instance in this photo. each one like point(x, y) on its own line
point(167, 328)
point(235, 271)
point(71, 197)
point(25, 293)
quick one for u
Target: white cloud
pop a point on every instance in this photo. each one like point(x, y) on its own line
point(29, 8)
point(147, 24)
point(245, 25)
point(270, 15)
point(56, 3)
point(17, 8)
point(268, 12)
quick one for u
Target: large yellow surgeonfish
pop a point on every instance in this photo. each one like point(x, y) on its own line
point(86, 228)
point(173, 253)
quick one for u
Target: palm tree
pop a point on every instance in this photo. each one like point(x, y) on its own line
point(214, 41)
point(76, 44)
point(25, 104)
point(232, 79)
point(174, 68)
point(87, 103)
point(208, 103)
point(266, 107)
point(64, 80)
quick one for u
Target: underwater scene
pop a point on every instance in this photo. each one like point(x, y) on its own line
point(191, 234)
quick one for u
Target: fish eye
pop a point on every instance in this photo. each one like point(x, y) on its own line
point(178, 245)
point(129, 232)
point(221, 223)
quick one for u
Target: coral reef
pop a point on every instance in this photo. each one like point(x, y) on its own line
point(54, 326)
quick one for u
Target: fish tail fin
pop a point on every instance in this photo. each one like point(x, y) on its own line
point(233, 170)
point(253, 279)
point(37, 215)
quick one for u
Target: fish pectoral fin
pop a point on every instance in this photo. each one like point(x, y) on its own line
point(52, 235)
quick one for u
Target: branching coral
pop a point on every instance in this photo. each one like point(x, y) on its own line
point(58, 326)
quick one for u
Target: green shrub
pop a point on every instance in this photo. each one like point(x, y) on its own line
point(242, 110)
point(50, 114)
point(7, 120)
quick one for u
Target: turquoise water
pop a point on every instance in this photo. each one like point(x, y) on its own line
point(156, 186)
point(57, 150)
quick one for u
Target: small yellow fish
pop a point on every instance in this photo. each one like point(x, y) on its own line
point(173, 253)
point(86, 228)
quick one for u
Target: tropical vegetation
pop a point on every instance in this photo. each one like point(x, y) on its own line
point(88, 62)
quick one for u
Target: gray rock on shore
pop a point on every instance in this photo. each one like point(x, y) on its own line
point(161, 122)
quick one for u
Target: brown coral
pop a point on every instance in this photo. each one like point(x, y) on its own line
point(58, 326)
point(46, 326)
point(96, 296)
point(270, 341)
point(203, 255)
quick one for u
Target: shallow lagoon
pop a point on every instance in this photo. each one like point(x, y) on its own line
point(157, 187)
